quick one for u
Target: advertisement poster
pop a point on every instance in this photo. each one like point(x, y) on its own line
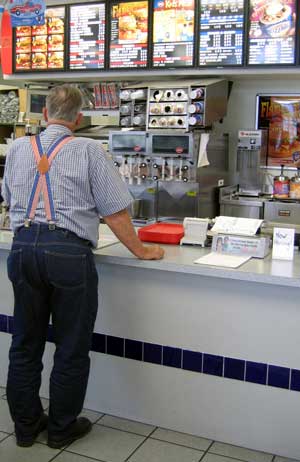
point(26, 13)
point(87, 36)
point(173, 33)
point(272, 32)
point(221, 32)
point(41, 47)
point(281, 116)
point(129, 34)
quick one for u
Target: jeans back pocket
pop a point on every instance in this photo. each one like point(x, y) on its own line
point(66, 271)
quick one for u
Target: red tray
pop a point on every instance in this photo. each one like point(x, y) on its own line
point(164, 233)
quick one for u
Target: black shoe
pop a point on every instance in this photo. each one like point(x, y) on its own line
point(77, 430)
point(28, 441)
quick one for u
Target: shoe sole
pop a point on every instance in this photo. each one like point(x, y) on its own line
point(24, 444)
point(67, 441)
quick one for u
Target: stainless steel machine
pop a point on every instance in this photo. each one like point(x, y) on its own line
point(251, 156)
point(160, 171)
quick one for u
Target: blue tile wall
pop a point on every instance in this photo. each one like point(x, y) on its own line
point(99, 343)
point(213, 365)
point(279, 376)
point(152, 353)
point(115, 345)
point(133, 349)
point(236, 369)
point(295, 380)
point(256, 372)
point(192, 361)
point(3, 323)
point(172, 356)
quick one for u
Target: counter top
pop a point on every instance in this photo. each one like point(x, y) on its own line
point(180, 259)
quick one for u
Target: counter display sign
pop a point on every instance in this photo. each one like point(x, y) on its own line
point(41, 47)
point(129, 34)
point(221, 32)
point(87, 36)
point(272, 32)
point(173, 33)
point(281, 116)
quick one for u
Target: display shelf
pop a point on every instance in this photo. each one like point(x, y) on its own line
point(100, 112)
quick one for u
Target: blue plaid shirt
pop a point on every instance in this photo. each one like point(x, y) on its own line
point(84, 183)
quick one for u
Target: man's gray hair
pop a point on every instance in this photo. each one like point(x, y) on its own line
point(64, 102)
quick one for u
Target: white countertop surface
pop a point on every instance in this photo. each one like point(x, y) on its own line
point(180, 259)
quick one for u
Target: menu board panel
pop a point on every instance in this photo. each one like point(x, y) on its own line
point(221, 32)
point(41, 47)
point(173, 33)
point(87, 36)
point(129, 34)
point(272, 32)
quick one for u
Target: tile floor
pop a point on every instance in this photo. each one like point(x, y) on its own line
point(119, 440)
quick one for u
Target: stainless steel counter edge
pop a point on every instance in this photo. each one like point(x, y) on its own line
point(181, 260)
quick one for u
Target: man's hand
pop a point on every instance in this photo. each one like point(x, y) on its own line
point(121, 225)
point(155, 252)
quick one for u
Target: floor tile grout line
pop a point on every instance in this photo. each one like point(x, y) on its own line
point(56, 455)
point(206, 452)
point(119, 429)
point(82, 455)
point(177, 444)
point(231, 457)
point(138, 447)
point(6, 437)
point(99, 418)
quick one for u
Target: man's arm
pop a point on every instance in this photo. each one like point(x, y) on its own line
point(121, 225)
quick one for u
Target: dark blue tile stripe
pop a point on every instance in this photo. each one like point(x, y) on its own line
point(232, 368)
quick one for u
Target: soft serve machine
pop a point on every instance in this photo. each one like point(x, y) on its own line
point(158, 157)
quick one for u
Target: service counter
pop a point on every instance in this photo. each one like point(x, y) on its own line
point(208, 351)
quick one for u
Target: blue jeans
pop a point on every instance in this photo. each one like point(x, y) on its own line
point(53, 275)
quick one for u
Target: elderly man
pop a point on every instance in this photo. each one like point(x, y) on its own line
point(56, 186)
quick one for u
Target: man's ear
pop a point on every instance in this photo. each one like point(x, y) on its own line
point(45, 114)
point(78, 119)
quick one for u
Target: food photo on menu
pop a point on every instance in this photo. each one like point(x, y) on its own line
point(132, 20)
point(23, 61)
point(280, 115)
point(39, 43)
point(272, 32)
point(23, 44)
point(173, 23)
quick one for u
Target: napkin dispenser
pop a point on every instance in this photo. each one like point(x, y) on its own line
point(195, 230)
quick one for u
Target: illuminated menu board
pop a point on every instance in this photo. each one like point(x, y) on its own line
point(87, 36)
point(129, 34)
point(272, 32)
point(221, 32)
point(41, 47)
point(173, 33)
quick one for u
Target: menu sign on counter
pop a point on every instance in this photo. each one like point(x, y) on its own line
point(221, 32)
point(272, 32)
point(129, 34)
point(87, 36)
point(41, 47)
point(173, 33)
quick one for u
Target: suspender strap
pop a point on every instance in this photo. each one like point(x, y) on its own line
point(42, 180)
